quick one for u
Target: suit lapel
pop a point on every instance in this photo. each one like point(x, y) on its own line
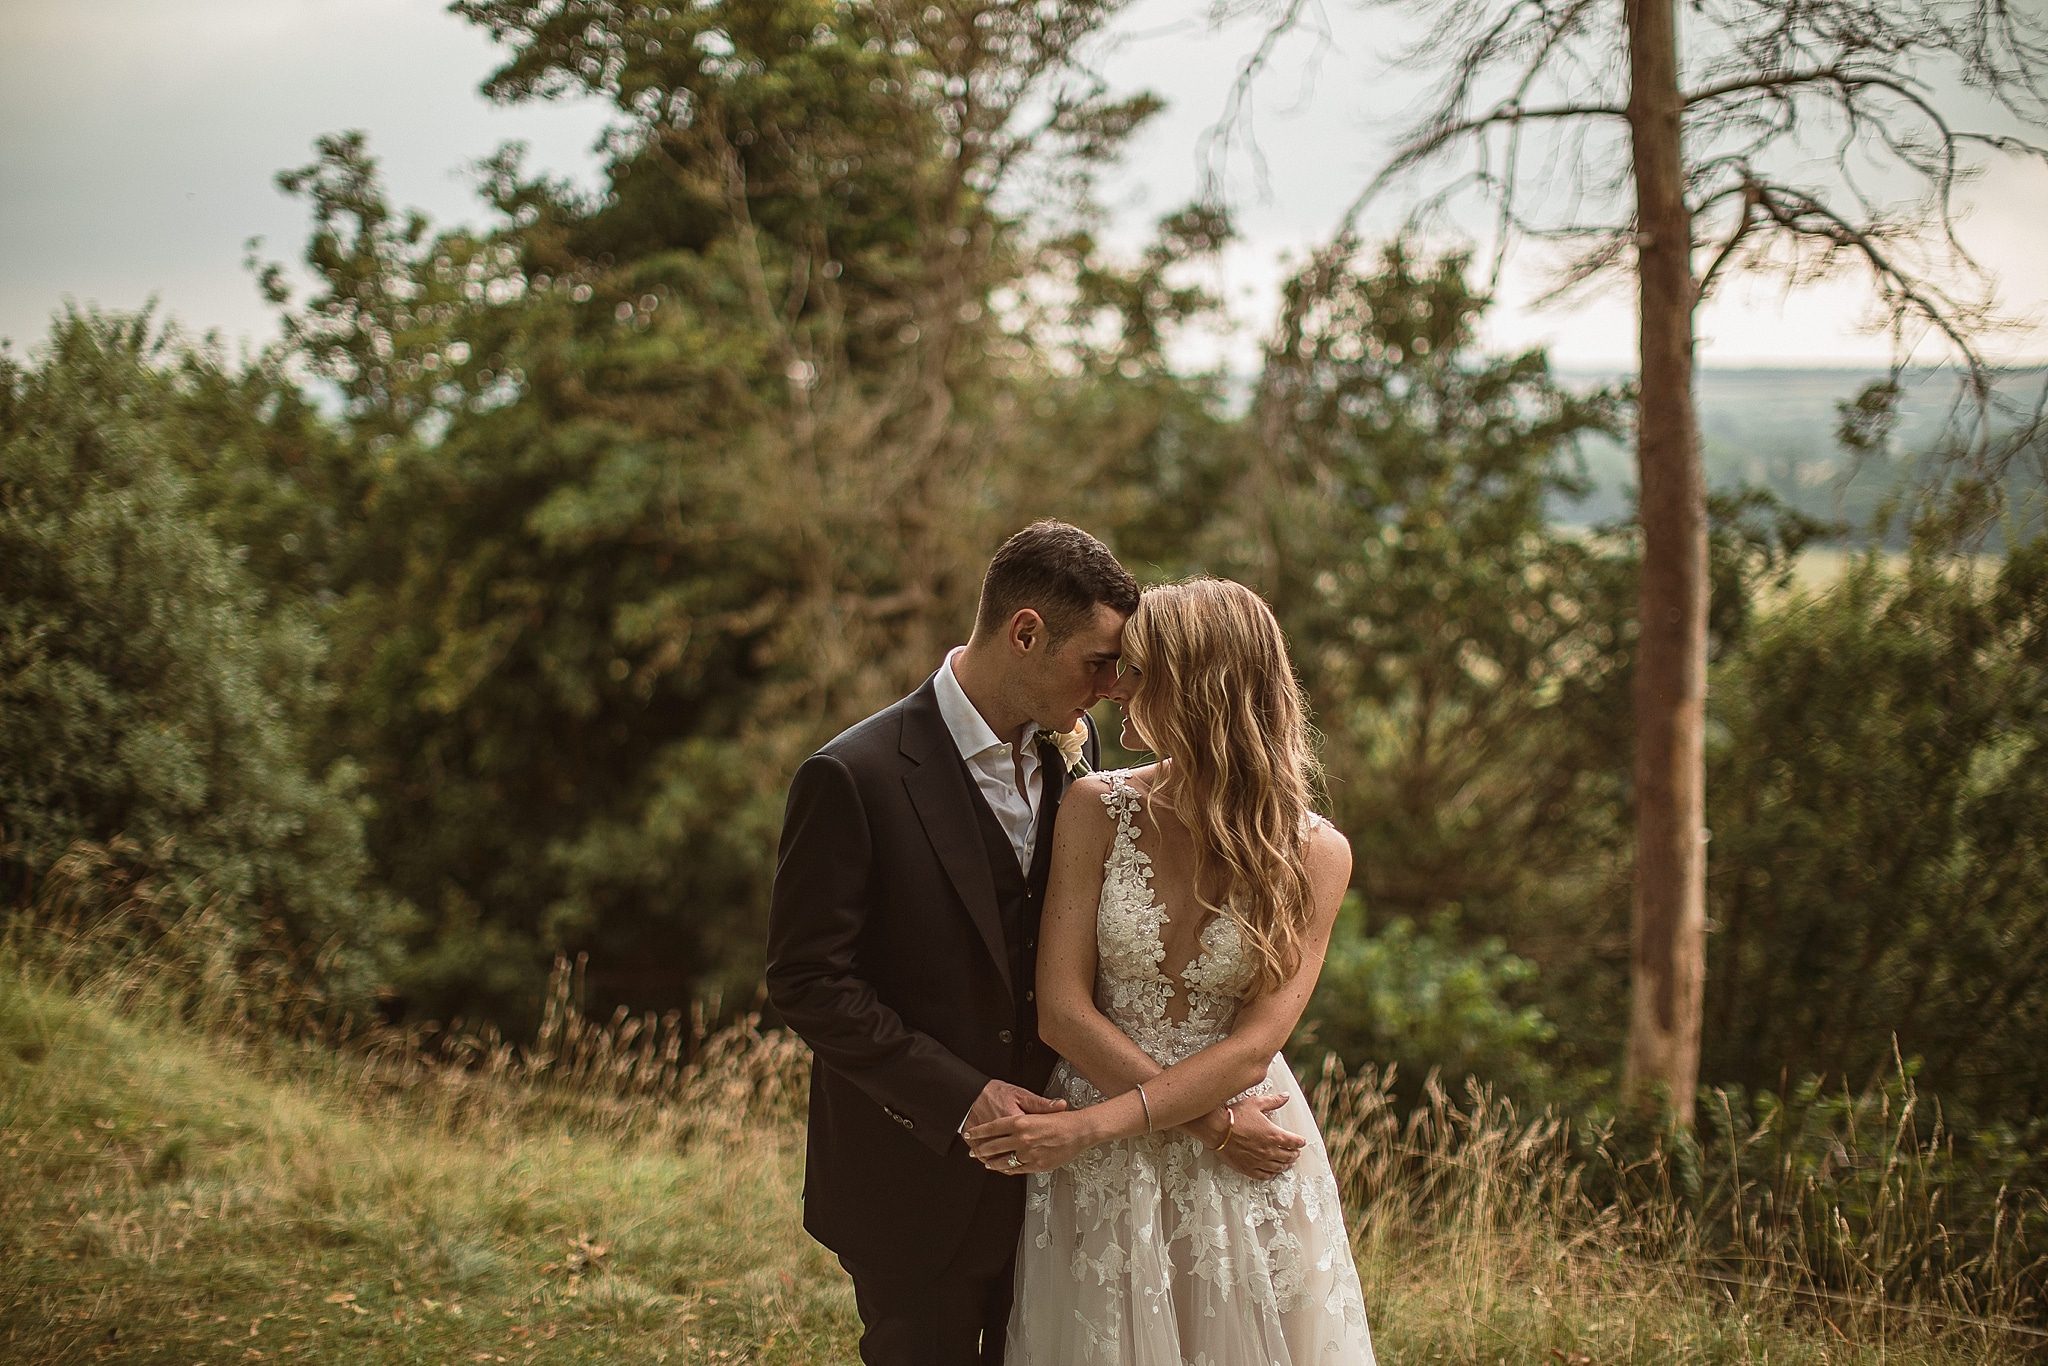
point(1052, 785)
point(940, 792)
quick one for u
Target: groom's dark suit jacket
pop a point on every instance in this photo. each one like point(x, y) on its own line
point(902, 944)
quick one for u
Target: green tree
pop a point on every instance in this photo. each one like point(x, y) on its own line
point(664, 484)
point(1425, 1000)
point(1468, 659)
point(1149, 453)
point(1461, 653)
point(1882, 831)
point(152, 688)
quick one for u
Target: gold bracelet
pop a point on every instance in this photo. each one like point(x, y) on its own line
point(1148, 1107)
point(1229, 1128)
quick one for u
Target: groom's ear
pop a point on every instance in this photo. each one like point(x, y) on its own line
point(1027, 630)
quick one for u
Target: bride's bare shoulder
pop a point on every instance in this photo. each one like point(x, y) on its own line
point(1328, 855)
point(1141, 780)
point(1087, 790)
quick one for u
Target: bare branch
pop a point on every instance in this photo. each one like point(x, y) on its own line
point(1743, 224)
point(1609, 250)
point(1438, 141)
point(1214, 147)
point(1768, 80)
point(1802, 215)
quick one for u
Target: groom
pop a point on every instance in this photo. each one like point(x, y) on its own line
point(903, 937)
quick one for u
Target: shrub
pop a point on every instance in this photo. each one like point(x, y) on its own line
point(152, 695)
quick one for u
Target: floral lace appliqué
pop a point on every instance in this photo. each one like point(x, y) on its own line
point(1154, 1248)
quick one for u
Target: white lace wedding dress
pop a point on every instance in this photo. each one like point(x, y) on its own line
point(1153, 1251)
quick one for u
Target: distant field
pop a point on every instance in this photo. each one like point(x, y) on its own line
point(1820, 567)
point(1776, 429)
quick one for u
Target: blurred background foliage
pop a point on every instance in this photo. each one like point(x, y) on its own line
point(483, 618)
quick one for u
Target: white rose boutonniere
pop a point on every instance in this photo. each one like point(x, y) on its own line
point(1071, 746)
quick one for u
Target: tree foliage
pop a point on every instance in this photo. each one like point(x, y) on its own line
point(1469, 657)
point(158, 678)
point(666, 483)
point(1463, 650)
point(1425, 1000)
point(1880, 835)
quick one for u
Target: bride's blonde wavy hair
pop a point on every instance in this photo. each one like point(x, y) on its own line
point(1218, 697)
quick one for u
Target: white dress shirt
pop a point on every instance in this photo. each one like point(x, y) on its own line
point(1007, 778)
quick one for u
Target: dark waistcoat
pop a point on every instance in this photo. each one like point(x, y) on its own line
point(1020, 898)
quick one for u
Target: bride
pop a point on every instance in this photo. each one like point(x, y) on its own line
point(1182, 1211)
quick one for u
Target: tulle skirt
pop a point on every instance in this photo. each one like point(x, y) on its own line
point(1154, 1252)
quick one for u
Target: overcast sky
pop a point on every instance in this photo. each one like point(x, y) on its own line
point(139, 141)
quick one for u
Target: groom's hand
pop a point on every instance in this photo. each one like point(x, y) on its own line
point(1001, 1099)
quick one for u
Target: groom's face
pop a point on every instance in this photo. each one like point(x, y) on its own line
point(1067, 680)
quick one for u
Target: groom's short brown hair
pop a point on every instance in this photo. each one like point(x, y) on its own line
point(1060, 572)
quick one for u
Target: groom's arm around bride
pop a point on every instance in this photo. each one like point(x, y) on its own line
point(826, 994)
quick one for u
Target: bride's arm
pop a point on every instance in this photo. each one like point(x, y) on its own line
point(1068, 1020)
point(1200, 1082)
point(1091, 1043)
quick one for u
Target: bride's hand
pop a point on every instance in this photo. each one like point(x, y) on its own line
point(1037, 1143)
point(1257, 1146)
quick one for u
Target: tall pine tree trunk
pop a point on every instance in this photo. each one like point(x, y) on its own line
point(1669, 922)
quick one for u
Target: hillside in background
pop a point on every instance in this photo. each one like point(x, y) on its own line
point(1775, 429)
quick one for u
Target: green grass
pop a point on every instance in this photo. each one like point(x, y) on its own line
point(181, 1201)
point(190, 1195)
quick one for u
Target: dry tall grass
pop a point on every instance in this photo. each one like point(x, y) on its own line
point(1483, 1234)
point(1859, 1243)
